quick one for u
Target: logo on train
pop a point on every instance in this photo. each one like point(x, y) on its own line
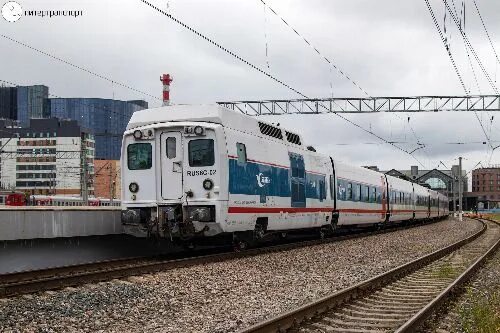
point(263, 180)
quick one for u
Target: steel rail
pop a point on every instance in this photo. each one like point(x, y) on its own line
point(291, 319)
point(25, 282)
point(419, 318)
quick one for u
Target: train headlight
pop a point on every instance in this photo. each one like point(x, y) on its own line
point(137, 134)
point(133, 187)
point(201, 213)
point(198, 130)
point(208, 184)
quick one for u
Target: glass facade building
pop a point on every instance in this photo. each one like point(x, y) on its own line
point(105, 118)
point(8, 103)
point(32, 103)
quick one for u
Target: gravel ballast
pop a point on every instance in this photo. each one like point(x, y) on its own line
point(477, 309)
point(225, 296)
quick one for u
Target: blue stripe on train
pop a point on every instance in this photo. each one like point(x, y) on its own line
point(253, 178)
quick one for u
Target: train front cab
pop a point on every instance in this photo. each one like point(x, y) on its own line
point(172, 184)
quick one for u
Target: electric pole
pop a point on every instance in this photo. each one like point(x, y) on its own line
point(110, 183)
point(460, 189)
point(85, 194)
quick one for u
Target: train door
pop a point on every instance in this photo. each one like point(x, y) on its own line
point(297, 180)
point(171, 165)
point(428, 206)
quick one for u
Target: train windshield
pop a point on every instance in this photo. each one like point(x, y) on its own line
point(139, 156)
point(201, 153)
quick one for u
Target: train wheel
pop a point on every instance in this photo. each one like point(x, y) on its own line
point(239, 245)
point(322, 233)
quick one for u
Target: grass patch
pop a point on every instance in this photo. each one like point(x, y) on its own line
point(481, 314)
point(495, 217)
point(445, 271)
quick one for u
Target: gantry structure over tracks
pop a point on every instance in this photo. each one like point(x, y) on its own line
point(367, 105)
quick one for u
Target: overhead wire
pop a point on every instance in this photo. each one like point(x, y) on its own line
point(486, 31)
point(83, 69)
point(329, 61)
point(269, 75)
point(466, 41)
point(469, 45)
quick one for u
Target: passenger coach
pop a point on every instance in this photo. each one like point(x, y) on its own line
point(202, 171)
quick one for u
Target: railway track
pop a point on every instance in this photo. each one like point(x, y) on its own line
point(25, 282)
point(397, 301)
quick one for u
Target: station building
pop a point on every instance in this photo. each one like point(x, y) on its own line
point(47, 157)
point(443, 181)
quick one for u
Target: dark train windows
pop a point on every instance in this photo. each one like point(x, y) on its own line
point(356, 192)
point(139, 156)
point(349, 191)
point(322, 190)
point(171, 147)
point(365, 193)
point(332, 179)
point(373, 194)
point(201, 153)
point(242, 153)
point(298, 180)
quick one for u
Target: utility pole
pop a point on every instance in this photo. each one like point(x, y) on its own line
point(453, 193)
point(110, 183)
point(85, 193)
point(460, 189)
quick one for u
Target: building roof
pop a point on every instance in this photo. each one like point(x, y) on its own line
point(62, 128)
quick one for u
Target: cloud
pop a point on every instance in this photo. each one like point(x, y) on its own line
point(388, 47)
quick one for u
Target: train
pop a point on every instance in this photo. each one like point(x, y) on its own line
point(12, 198)
point(15, 198)
point(202, 171)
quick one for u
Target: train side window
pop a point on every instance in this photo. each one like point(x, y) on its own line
point(201, 153)
point(365, 193)
point(322, 190)
point(242, 153)
point(357, 192)
point(373, 194)
point(342, 189)
point(171, 147)
point(349, 191)
point(331, 187)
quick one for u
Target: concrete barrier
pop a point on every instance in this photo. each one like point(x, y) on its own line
point(51, 222)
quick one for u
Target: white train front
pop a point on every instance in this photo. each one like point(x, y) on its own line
point(201, 171)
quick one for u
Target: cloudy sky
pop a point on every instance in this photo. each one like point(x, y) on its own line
point(389, 47)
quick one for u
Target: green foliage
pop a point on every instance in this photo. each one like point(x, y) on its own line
point(481, 314)
point(445, 271)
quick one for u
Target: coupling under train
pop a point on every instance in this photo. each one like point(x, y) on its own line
point(203, 171)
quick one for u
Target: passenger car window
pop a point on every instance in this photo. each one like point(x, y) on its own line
point(242, 153)
point(349, 191)
point(171, 147)
point(201, 153)
point(139, 156)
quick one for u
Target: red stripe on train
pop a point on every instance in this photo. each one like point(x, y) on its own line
point(278, 210)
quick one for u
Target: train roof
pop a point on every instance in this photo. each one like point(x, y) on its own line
point(212, 114)
point(207, 113)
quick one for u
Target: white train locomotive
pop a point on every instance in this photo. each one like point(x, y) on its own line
point(202, 171)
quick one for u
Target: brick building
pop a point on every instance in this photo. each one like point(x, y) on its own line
point(486, 187)
point(107, 179)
